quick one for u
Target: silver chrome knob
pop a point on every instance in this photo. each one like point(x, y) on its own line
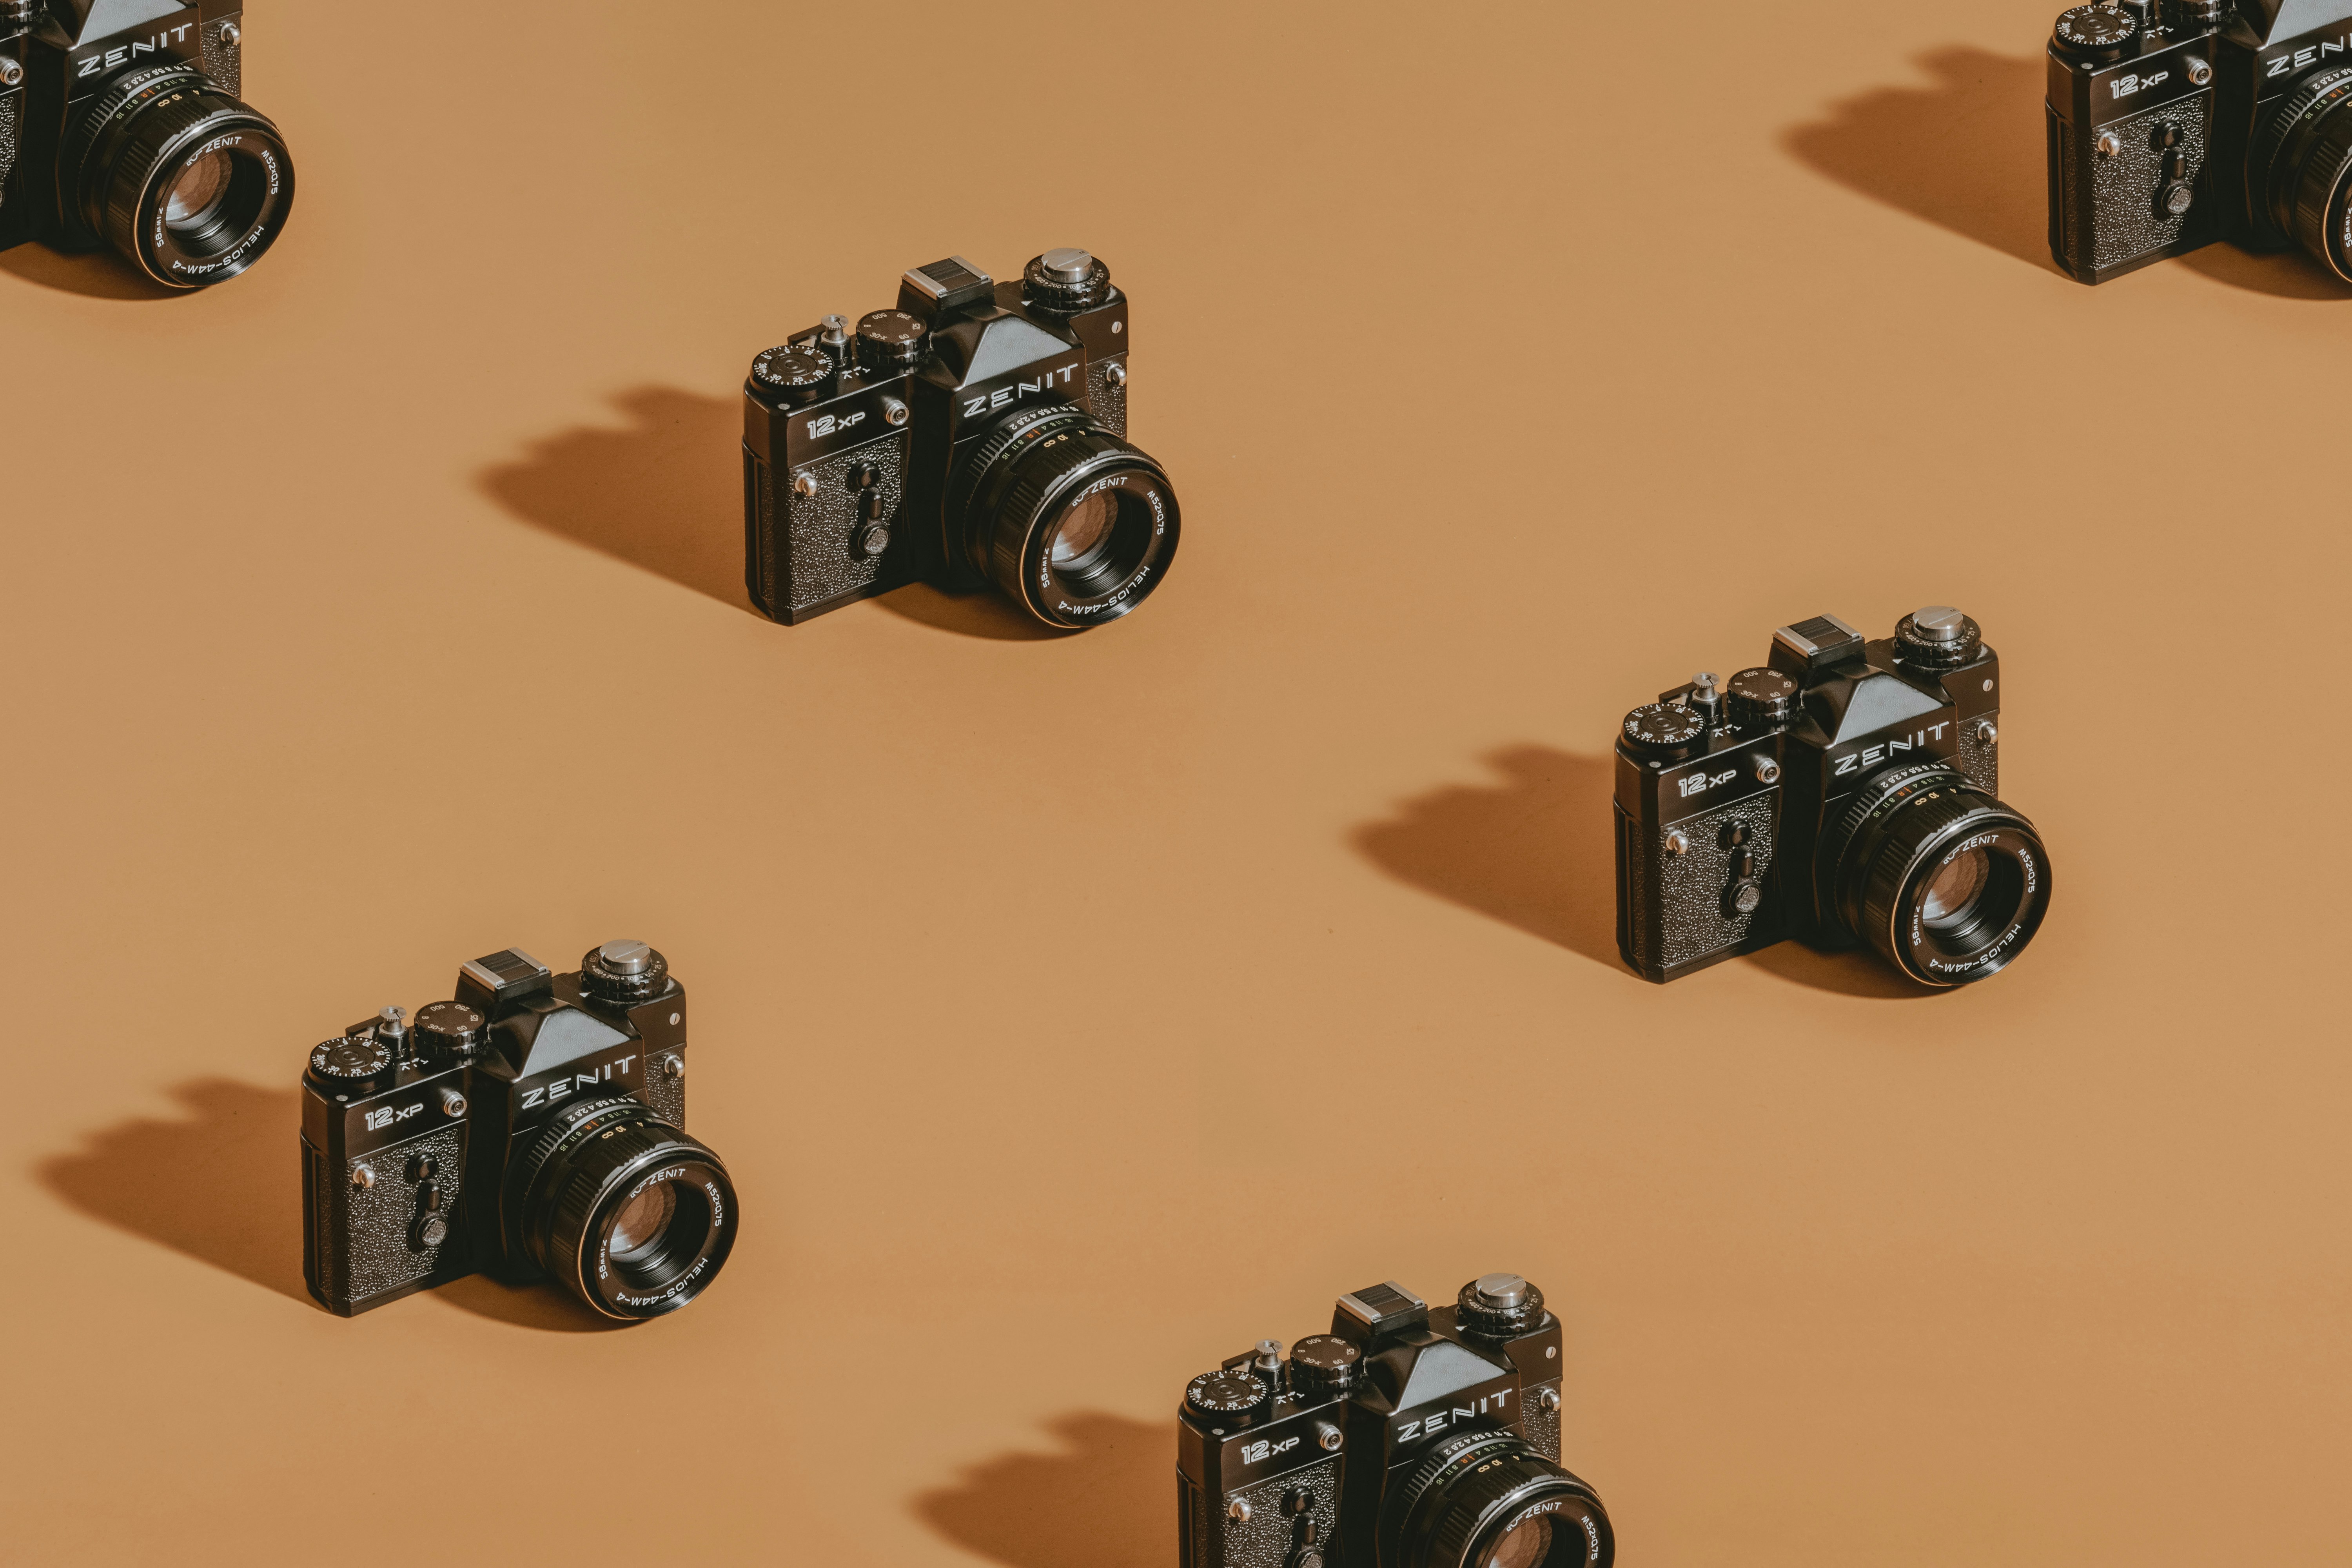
point(361, 1176)
point(1766, 771)
point(452, 1102)
point(1238, 1512)
point(1067, 264)
point(1326, 1436)
point(1985, 733)
point(1677, 841)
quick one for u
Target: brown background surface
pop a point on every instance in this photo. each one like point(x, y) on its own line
point(1074, 1012)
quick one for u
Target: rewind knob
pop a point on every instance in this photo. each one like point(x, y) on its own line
point(1937, 638)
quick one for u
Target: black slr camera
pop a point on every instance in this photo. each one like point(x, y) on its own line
point(2176, 124)
point(529, 1129)
point(974, 434)
point(1406, 1437)
point(1842, 793)
point(120, 124)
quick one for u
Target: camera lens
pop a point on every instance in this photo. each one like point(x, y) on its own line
point(1945, 881)
point(189, 183)
point(629, 1213)
point(1953, 890)
point(1486, 1499)
point(2305, 150)
point(1069, 520)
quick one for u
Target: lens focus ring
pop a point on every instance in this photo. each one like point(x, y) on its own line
point(2320, 191)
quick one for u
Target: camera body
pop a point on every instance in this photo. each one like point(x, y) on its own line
point(973, 434)
point(1407, 1438)
point(120, 124)
point(2176, 123)
point(1843, 793)
point(504, 1132)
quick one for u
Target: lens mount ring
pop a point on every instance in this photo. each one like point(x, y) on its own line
point(1051, 477)
point(1486, 1499)
point(144, 139)
point(596, 1166)
point(2282, 150)
point(1945, 881)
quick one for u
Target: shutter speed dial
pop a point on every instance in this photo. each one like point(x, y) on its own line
point(1233, 1396)
point(1325, 1363)
point(1664, 729)
point(889, 342)
point(1761, 698)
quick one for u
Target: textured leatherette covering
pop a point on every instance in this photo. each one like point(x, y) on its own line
point(2108, 212)
point(1539, 1426)
point(1687, 919)
point(224, 61)
point(1977, 759)
point(1264, 1539)
point(666, 1094)
point(12, 122)
point(1107, 399)
point(808, 560)
point(360, 1241)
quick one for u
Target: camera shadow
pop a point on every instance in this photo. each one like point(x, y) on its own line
point(96, 275)
point(1967, 152)
point(1105, 1495)
point(1534, 851)
point(1538, 850)
point(223, 1185)
point(663, 492)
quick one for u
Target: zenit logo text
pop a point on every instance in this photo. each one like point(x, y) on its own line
point(563, 1089)
point(1870, 756)
point(2287, 65)
point(123, 54)
point(1428, 1425)
point(1003, 395)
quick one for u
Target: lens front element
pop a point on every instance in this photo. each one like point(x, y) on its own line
point(629, 1213)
